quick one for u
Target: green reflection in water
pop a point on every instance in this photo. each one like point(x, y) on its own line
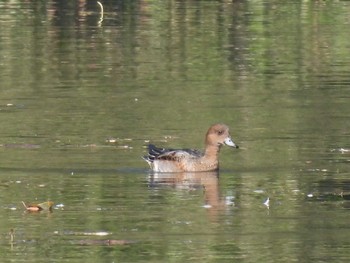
point(278, 74)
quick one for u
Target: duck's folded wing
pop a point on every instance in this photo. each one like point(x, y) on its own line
point(155, 153)
point(174, 155)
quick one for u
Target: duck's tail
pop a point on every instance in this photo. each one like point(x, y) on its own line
point(153, 153)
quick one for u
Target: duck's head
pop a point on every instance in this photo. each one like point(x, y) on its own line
point(218, 134)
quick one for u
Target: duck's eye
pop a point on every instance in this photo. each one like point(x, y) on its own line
point(220, 132)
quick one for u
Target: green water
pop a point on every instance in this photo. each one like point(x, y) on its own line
point(164, 71)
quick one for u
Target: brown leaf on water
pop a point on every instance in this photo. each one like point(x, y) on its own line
point(47, 206)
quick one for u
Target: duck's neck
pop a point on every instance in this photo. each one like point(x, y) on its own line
point(212, 151)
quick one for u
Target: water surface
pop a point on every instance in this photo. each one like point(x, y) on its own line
point(80, 98)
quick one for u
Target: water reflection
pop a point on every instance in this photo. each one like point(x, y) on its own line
point(208, 181)
point(332, 190)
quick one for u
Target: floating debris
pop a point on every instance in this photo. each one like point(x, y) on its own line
point(316, 170)
point(101, 13)
point(267, 202)
point(229, 200)
point(114, 140)
point(97, 233)
point(59, 206)
point(124, 147)
point(111, 140)
point(39, 207)
point(342, 150)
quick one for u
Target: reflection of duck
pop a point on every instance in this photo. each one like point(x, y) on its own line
point(209, 181)
point(187, 160)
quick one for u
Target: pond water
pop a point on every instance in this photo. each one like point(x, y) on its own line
point(81, 96)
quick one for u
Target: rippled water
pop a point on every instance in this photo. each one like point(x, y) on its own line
point(80, 98)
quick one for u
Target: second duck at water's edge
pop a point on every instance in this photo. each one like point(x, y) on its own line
point(188, 160)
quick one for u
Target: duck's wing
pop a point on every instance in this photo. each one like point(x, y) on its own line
point(155, 153)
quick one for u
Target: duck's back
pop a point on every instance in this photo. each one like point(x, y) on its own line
point(171, 160)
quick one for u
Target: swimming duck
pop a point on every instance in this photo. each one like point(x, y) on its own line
point(188, 160)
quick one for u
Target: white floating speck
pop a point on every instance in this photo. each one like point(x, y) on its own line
point(342, 150)
point(206, 206)
point(259, 191)
point(112, 140)
point(229, 200)
point(123, 147)
point(267, 202)
point(310, 195)
point(100, 233)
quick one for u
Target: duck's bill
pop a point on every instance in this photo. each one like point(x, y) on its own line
point(228, 141)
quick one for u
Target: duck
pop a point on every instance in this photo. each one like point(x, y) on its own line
point(165, 160)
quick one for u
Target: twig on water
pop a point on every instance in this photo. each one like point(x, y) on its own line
point(24, 204)
point(101, 12)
